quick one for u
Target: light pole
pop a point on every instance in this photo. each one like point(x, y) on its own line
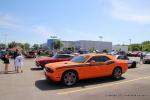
point(59, 44)
point(5, 39)
point(130, 44)
point(101, 38)
point(142, 46)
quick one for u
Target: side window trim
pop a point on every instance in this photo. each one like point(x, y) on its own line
point(99, 61)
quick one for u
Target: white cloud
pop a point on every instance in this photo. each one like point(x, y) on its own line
point(127, 11)
point(8, 22)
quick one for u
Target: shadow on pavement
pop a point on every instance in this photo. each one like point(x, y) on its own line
point(36, 69)
point(9, 72)
point(49, 85)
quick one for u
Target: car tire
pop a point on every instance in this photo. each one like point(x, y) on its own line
point(133, 65)
point(42, 67)
point(69, 78)
point(117, 73)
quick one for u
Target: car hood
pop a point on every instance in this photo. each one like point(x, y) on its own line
point(62, 64)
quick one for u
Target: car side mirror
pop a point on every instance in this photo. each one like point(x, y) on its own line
point(92, 62)
point(109, 62)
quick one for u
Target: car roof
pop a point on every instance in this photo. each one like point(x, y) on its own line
point(98, 54)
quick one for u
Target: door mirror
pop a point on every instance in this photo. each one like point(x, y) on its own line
point(109, 62)
point(92, 62)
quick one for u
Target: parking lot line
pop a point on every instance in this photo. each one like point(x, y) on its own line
point(91, 88)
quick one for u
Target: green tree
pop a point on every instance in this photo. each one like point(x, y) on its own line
point(91, 49)
point(58, 44)
point(20, 45)
point(2, 45)
point(145, 42)
point(12, 44)
point(26, 46)
point(135, 47)
point(146, 47)
point(35, 47)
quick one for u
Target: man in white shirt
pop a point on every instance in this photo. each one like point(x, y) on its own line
point(19, 63)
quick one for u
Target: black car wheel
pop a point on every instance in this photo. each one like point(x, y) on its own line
point(69, 78)
point(42, 67)
point(117, 73)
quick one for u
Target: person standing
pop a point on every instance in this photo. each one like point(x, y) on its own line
point(16, 53)
point(19, 63)
point(6, 62)
point(141, 58)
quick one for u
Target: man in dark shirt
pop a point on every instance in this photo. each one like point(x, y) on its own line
point(16, 53)
point(6, 62)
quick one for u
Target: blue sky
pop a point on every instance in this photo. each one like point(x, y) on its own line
point(34, 21)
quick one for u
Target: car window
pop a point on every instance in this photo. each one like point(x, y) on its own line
point(64, 56)
point(122, 57)
point(80, 59)
point(99, 59)
point(61, 56)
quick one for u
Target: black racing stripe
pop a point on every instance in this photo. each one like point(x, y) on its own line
point(83, 65)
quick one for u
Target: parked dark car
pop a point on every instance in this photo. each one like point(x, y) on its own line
point(56, 58)
point(131, 63)
point(30, 54)
point(2, 52)
point(146, 59)
point(134, 54)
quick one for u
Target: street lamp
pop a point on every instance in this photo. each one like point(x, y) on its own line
point(101, 38)
point(142, 46)
point(5, 39)
point(130, 44)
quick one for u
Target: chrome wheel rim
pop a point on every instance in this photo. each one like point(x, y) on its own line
point(70, 78)
point(117, 73)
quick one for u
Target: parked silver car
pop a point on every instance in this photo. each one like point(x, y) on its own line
point(131, 63)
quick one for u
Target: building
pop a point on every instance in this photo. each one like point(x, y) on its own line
point(83, 45)
point(87, 44)
point(68, 44)
point(97, 45)
point(120, 47)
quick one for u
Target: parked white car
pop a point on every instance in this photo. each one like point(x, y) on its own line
point(131, 63)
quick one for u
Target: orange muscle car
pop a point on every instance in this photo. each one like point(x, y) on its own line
point(84, 67)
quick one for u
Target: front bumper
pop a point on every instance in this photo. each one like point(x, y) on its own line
point(51, 76)
point(37, 64)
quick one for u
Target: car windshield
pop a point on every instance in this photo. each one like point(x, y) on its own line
point(80, 59)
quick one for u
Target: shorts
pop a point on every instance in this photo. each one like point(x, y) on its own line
point(18, 66)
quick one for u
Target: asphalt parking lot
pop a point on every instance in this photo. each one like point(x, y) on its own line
point(31, 85)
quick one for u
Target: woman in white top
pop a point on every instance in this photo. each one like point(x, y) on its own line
point(19, 63)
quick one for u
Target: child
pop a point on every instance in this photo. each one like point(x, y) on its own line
point(19, 63)
point(6, 62)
